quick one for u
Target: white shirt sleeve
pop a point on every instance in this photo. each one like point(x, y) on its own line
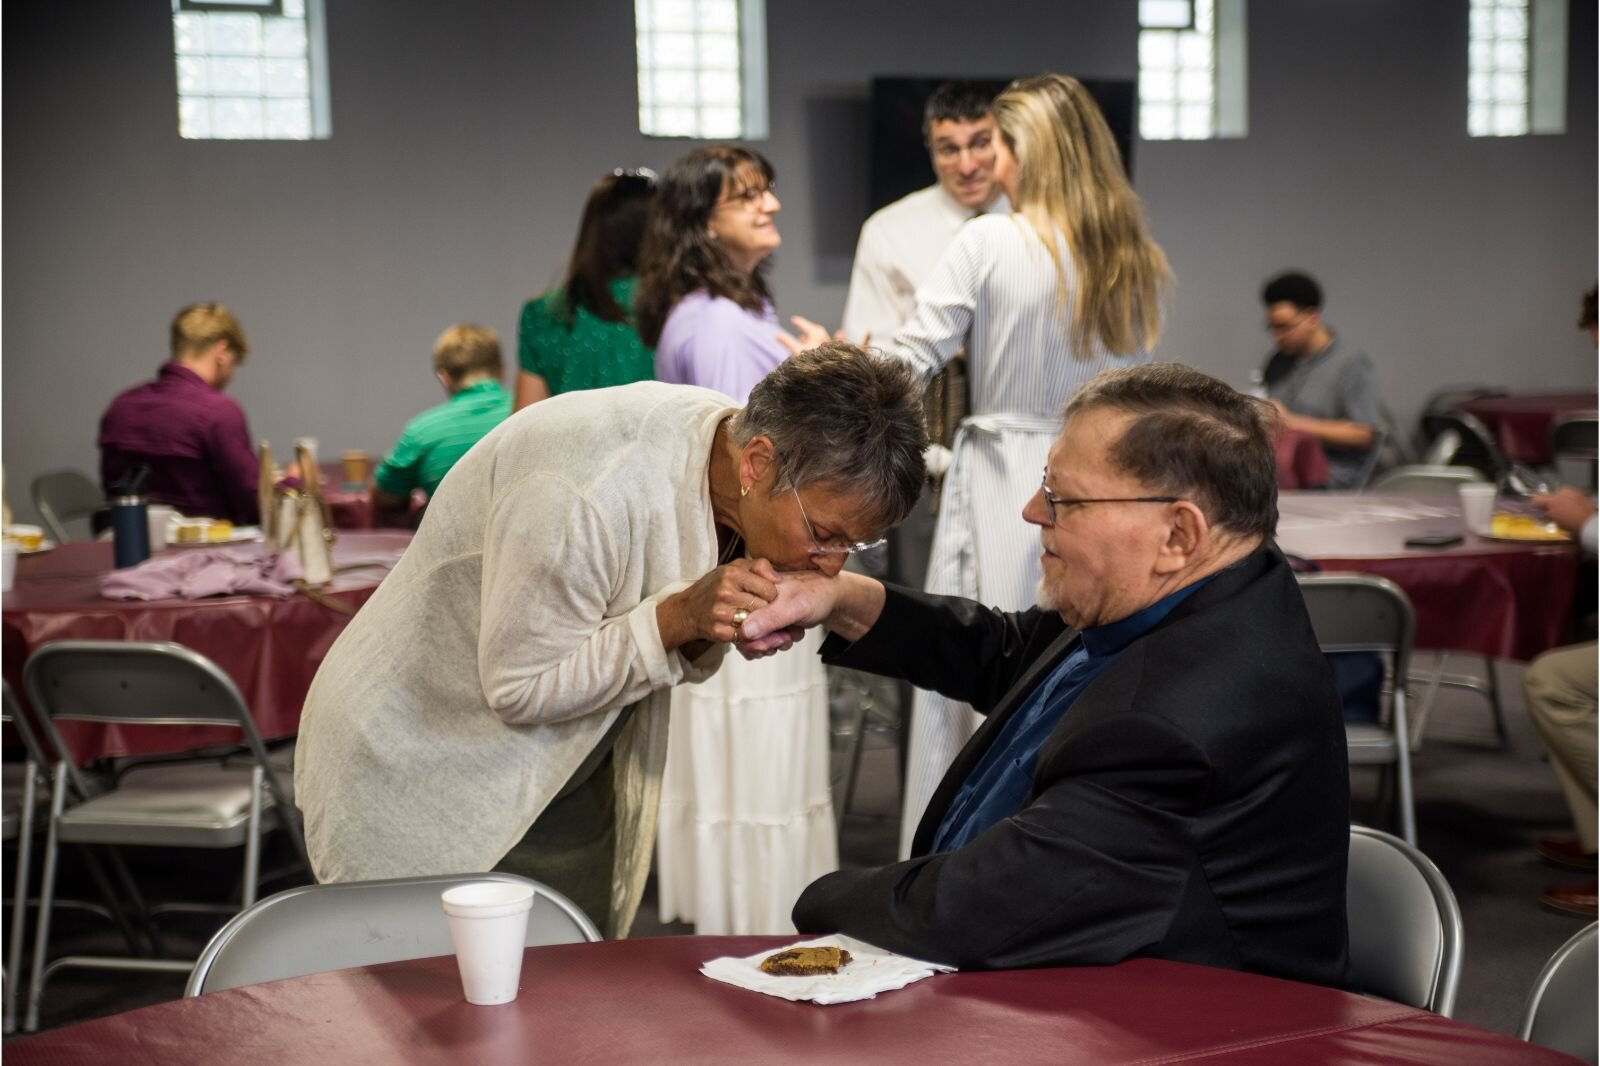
point(873, 305)
point(547, 651)
point(946, 302)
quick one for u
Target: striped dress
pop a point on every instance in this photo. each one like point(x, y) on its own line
point(993, 293)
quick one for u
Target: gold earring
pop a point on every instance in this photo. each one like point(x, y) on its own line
point(744, 490)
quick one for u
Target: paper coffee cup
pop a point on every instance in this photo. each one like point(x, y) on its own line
point(8, 565)
point(1477, 506)
point(355, 467)
point(488, 924)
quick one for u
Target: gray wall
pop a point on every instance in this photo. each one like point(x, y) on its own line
point(466, 134)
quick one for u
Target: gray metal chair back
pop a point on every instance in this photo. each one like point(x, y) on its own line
point(1575, 449)
point(21, 806)
point(1475, 445)
point(63, 496)
point(1366, 613)
point(360, 923)
point(1419, 478)
point(1561, 1012)
point(189, 804)
point(1405, 926)
point(1576, 435)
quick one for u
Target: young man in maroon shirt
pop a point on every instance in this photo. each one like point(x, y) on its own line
point(192, 437)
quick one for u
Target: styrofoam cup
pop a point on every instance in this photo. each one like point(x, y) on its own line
point(488, 924)
point(160, 516)
point(1477, 506)
point(8, 565)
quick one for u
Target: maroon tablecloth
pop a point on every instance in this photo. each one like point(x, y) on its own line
point(1509, 600)
point(1521, 422)
point(645, 1001)
point(270, 647)
point(1302, 460)
point(350, 505)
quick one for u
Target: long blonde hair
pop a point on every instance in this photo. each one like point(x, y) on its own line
point(1070, 180)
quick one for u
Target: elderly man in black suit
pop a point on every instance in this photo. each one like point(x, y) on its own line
point(1162, 772)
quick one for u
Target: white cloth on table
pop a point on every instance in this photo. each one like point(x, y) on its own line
point(995, 292)
point(746, 817)
point(518, 625)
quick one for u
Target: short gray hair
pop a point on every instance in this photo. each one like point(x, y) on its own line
point(839, 417)
point(1192, 436)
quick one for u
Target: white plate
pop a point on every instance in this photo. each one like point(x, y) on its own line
point(45, 545)
point(239, 535)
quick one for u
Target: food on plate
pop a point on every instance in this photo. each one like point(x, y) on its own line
point(1525, 527)
point(805, 962)
point(201, 531)
point(27, 538)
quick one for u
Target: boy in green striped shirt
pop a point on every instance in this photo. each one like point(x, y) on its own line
point(466, 360)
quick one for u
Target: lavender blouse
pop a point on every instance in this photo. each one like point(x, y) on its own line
point(712, 342)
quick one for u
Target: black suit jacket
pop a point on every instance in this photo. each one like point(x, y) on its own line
point(1192, 804)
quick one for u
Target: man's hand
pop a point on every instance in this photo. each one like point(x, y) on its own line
point(1567, 508)
point(847, 603)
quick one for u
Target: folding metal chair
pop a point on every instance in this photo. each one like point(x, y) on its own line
point(1446, 481)
point(1366, 613)
point(1419, 478)
point(192, 804)
point(360, 923)
point(1405, 925)
point(1561, 1012)
point(63, 496)
point(1473, 444)
point(1573, 444)
point(22, 795)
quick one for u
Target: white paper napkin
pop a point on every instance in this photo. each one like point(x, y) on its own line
point(871, 970)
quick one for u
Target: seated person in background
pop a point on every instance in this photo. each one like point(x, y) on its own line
point(192, 437)
point(1321, 383)
point(466, 360)
point(1162, 772)
point(1561, 689)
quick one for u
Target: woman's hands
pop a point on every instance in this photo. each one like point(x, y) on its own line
point(807, 335)
point(703, 613)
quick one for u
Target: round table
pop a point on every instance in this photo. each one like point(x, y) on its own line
point(270, 647)
point(645, 1001)
point(1503, 599)
point(1521, 422)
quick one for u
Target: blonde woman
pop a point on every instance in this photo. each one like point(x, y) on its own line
point(1042, 300)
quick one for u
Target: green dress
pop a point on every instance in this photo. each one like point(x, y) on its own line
point(592, 354)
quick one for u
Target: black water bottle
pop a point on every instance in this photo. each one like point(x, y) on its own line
point(130, 519)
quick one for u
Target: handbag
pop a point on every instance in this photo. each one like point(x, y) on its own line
point(297, 516)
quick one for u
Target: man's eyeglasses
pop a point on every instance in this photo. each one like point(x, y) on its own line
point(749, 197)
point(1077, 501)
point(1290, 326)
point(818, 548)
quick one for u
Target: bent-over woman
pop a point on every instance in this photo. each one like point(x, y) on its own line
point(502, 698)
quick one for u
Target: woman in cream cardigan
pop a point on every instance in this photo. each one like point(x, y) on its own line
point(502, 697)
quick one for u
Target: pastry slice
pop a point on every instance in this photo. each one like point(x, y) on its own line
point(805, 962)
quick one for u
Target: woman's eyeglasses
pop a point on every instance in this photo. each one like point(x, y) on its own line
point(818, 548)
point(750, 197)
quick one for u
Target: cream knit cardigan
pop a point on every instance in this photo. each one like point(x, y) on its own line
point(519, 623)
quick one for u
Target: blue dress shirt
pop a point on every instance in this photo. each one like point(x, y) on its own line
point(998, 784)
